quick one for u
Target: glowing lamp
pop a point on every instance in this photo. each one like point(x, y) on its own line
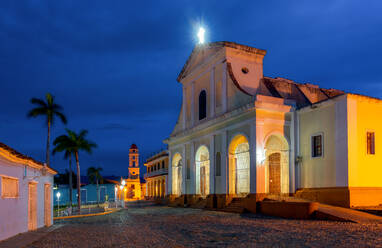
point(123, 182)
point(201, 35)
point(121, 187)
point(58, 195)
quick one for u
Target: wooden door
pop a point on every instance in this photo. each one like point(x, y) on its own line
point(203, 181)
point(274, 173)
point(32, 206)
point(47, 205)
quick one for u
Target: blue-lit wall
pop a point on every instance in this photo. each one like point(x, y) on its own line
point(88, 194)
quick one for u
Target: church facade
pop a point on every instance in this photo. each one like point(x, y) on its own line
point(243, 135)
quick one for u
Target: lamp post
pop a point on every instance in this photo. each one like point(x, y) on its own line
point(58, 200)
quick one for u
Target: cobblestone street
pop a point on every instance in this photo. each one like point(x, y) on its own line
point(154, 226)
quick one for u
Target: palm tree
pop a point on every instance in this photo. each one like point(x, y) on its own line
point(94, 175)
point(49, 109)
point(64, 143)
point(80, 143)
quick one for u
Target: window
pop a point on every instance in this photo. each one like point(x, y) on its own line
point(9, 187)
point(162, 164)
point(188, 175)
point(202, 105)
point(370, 140)
point(317, 146)
point(218, 169)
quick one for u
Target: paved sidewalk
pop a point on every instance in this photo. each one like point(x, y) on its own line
point(25, 239)
point(347, 214)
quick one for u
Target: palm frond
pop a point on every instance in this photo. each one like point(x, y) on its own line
point(38, 102)
point(36, 112)
point(62, 117)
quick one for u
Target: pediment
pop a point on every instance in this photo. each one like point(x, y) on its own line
point(199, 55)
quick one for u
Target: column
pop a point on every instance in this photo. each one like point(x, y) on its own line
point(224, 164)
point(212, 164)
point(193, 169)
point(224, 87)
point(169, 184)
point(292, 164)
point(212, 92)
point(252, 154)
point(192, 103)
point(184, 169)
point(184, 107)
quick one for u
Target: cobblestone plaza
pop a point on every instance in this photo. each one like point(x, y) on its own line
point(156, 226)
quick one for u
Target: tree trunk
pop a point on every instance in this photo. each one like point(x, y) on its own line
point(70, 181)
point(97, 194)
point(78, 183)
point(48, 144)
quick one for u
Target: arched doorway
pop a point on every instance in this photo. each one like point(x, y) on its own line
point(239, 162)
point(177, 174)
point(277, 164)
point(202, 159)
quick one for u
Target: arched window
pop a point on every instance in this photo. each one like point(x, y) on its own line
point(218, 170)
point(202, 105)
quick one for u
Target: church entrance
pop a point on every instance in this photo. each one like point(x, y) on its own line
point(239, 166)
point(274, 173)
point(277, 164)
point(202, 159)
point(176, 175)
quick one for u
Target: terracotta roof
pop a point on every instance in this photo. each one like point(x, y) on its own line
point(19, 155)
point(302, 94)
point(133, 146)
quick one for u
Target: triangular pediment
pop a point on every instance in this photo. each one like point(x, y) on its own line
point(198, 56)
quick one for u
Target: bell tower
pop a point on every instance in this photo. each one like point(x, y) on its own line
point(133, 162)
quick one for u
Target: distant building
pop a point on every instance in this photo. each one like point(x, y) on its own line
point(26, 193)
point(106, 192)
point(157, 175)
point(132, 188)
point(243, 135)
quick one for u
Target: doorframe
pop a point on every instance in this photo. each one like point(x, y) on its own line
point(48, 218)
point(32, 225)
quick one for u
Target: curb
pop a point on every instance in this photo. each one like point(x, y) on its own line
point(85, 215)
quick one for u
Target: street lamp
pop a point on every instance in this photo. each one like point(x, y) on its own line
point(58, 200)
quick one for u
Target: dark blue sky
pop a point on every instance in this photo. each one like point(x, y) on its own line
point(113, 65)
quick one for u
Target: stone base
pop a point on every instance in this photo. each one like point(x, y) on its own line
point(338, 196)
point(290, 210)
point(365, 196)
point(343, 196)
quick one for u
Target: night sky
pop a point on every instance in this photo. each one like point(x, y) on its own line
point(113, 65)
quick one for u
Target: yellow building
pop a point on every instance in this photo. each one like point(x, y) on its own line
point(131, 188)
point(156, 176)
point(243, 135)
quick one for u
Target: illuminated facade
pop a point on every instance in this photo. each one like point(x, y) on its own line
point(243, 135)
point(26, 200)
point(157, 175)
point(131, 188)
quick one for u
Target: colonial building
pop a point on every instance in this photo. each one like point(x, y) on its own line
point(157, 175)
point(131, 188)
point(26, 193)
point(243, 135)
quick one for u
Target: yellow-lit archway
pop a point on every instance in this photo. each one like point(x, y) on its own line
point(239, 162)
point(202, 160)
point(177, 174)
point(277, 164)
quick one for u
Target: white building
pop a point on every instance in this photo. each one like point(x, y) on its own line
point(26, 193)
point(243, 135)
